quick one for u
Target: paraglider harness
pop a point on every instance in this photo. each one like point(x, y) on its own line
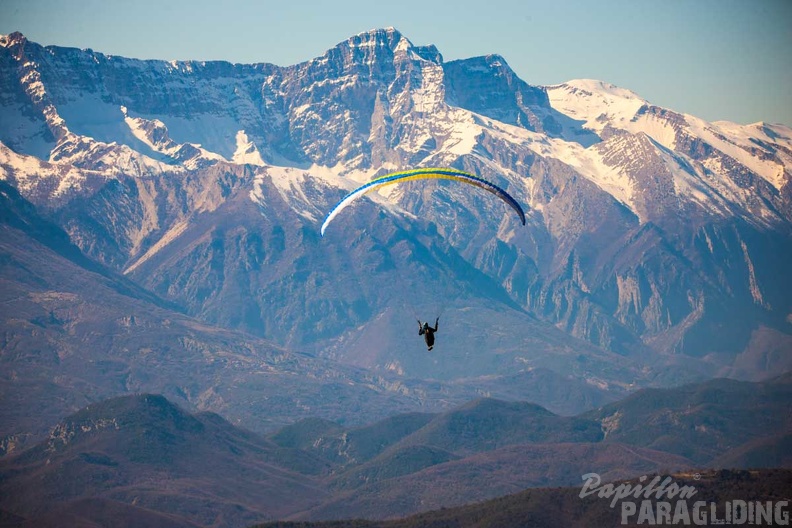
point(428, 332)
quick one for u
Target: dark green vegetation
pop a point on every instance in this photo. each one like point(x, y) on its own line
point(144, 452)
point(553, 507)
point(143, 456)
point(706, 421)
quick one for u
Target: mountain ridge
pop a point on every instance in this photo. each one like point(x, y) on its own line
point(75, 331)
point(655, 248)
point(140, 451)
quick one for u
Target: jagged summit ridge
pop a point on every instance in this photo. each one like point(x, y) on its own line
point(394, 40)
point(643, 223)
point(388, 124)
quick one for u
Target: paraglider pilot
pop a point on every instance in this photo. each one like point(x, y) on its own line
point(428, 332)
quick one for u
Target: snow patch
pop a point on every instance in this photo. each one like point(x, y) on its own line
point(596, 102)
point(37, 179)
point(743, 143)
point(290, 183)
point(246, 151)
point(462, 138)
point(657, 128)
point(214, 134)
point(298, 187)
point(589, 163)
point(23, 133)
point(693, 186)
point(137, 127)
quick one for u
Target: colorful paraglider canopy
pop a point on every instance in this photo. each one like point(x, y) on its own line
point(424, 174)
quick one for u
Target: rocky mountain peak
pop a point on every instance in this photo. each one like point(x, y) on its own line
point(373, 48)
point(388, 37)
point(386, 43)
point(648, 229)
point(13, 39)
point(487, 85)
point(139, 412)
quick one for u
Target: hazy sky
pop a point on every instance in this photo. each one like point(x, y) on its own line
point(717, 59)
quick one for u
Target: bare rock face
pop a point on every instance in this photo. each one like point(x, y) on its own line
point(657, 244)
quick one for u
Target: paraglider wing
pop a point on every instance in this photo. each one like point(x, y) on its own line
point(421, 174)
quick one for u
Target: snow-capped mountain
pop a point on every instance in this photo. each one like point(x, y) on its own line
point(657, 244)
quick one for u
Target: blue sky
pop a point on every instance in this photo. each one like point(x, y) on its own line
point(717, 59)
